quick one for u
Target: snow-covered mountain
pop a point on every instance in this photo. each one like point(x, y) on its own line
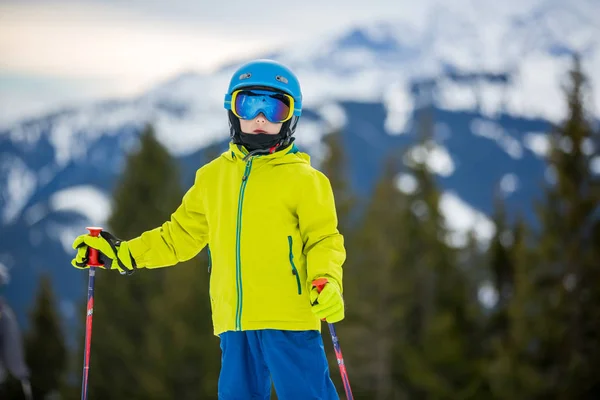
point(493, 74)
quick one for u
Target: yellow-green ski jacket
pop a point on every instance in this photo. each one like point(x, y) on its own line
point(271, 226)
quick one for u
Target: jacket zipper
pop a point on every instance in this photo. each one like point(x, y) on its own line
point(294, 270)
point(238, 261)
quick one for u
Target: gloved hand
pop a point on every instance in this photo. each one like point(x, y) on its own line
point(329, 304)
point(109, 249)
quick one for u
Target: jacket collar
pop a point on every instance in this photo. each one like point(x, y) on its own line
point(290, 154)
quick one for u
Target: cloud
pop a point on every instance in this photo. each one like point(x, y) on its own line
point(67, 41)
point(156, 38)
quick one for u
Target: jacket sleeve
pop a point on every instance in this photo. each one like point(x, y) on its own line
point(323, 244)
point(180, 238)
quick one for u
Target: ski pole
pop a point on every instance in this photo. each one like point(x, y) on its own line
point(93, 262)
point(320, 284)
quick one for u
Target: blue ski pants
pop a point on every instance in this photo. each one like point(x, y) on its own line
point(294, 361)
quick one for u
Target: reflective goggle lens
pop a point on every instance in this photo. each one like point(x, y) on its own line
point(277, 107)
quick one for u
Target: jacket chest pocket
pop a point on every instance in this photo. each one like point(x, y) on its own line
point(293, 265)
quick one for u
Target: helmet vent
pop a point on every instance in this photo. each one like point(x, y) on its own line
point(281, 79)
point(245, 76)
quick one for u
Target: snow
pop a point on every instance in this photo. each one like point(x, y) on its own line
point(45, 174)
point(309, 132)
point(418, 155)
point(461, 218)
point(72, 133)
point(302, 53)
point(440, 162)
point(399, 109)
point(589, 64)
point(492, 98)
point(66, 234)
point(566, 144)
point(595, 165)
point(25, 137)
point(35, 214)
point(355, 58)
point(184, 136)
point(507, 238)
point(434, 155)
point(587, 146)
point(4, 274)
point(322, 86)
point(536, 92)
point(407, 183)
point(519, 38)
point(68, 309)
point(334, 115)
point(487, 295)
point(455, 96)
point(509, 183)
point(538, 143)
point(85, 200)
point(494, 131)
point(18, 188)
point(470, 39)
point(550, 175)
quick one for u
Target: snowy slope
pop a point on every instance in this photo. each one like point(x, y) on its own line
point(379, 61)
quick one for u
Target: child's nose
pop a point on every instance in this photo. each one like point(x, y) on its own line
point(260, 118)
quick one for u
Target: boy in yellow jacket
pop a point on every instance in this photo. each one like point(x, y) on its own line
point(269, 219)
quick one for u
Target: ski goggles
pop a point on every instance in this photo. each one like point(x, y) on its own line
point(277, 107)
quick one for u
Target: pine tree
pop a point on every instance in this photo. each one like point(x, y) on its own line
point(568, 258)
point(511, 328)
point(45, 350)
point(335, 167)
point(502, 270)
point(513, 370)
point(181, 347)
point(376, 291)
point(415, 307)
point(213, 151)
point(554, 312)
point(438, 356)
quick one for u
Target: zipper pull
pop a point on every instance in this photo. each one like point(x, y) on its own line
point(247, 170)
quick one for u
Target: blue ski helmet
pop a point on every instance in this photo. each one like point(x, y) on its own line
point(267, 74)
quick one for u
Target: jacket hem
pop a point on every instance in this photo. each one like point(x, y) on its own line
point(278, 325)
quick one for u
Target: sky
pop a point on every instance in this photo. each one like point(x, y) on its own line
point(57, 52)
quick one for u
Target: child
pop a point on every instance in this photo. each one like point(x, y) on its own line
point(270, 221)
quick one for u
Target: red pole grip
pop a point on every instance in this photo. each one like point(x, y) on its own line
point(320, 283)
point(93, 253)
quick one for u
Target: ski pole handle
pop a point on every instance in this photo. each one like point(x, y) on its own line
point(320, 284)
point(93, 253)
